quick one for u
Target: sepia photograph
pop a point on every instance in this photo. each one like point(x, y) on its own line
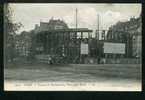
point(72, 47)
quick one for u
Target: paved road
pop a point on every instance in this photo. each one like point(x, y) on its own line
point(117, 75)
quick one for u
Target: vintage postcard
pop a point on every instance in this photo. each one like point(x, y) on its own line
point(72, 47)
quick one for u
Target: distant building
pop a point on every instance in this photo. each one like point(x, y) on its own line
point(130, 33)
point(117, 33)
point(51, 25)
point(137, 39)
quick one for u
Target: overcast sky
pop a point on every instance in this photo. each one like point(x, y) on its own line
point(30, 14)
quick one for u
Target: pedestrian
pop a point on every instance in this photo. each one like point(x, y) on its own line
point(98, 60)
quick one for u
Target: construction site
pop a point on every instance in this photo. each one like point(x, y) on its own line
point(54, 42)
point(54, 52)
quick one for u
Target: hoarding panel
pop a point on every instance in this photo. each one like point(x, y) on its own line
point(114, 48)
point(84, 48)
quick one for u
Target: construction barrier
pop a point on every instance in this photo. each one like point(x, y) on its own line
point(113, 61)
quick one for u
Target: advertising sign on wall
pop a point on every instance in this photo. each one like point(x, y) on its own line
point(114, 48)
point(84, 48)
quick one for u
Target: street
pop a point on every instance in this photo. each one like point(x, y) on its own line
point(126, 76)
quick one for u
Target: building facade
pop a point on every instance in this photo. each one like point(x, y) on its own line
point(51, 25)
point(137, 40)
point(130, 33)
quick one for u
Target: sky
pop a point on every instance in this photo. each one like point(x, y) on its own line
point(30, 14)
